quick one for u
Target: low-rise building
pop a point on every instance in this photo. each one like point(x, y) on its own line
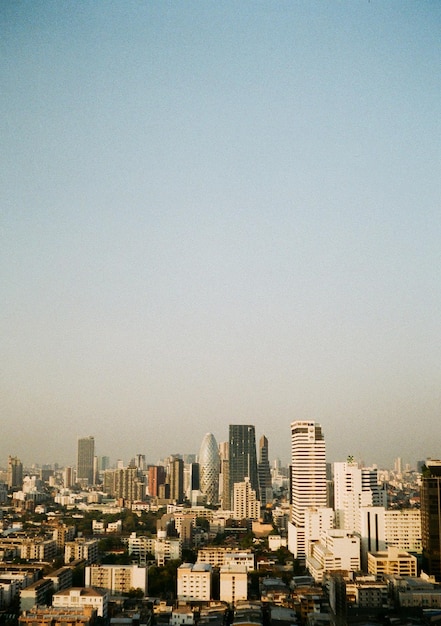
point(81, 549)
point(82, 597)
point(392, 562)
point(50, 616)
point(194, 582)
point(116, 579)
point(233, 583)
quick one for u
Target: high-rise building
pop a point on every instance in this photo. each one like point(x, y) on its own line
point(86, 460)
point(224, 478)
point(209, 467)
point(156, 477)
point(176, 479)
point(264, 473)
point(242, 456)
point(245, 503)
point(15, 473)
point(308, 479)
point(431, 518)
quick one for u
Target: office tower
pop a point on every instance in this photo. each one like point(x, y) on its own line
point(242, 456)
point(86, 460)
point(195, 477)
point(67, 477)
point(176, 479)
point(15, 473)
point(308, 479)
point(264, 473)
point(209, 465)
point(156, 477)
point(139, 461)
point(431, 518)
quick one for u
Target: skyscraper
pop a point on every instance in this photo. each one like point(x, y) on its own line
point(209, 468)
point(86, 460)
point(15, 473)
point(431, 518)
point(264, 472)
point(308, 479)
point(242, 456)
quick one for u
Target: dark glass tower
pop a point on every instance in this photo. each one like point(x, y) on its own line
point(242, 456)
point(431, 518)
point(86, 460)
point(264, 472)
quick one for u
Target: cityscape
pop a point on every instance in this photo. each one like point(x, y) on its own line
point(221, 536)
point(220, 311)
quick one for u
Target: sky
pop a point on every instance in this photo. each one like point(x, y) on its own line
point(218, 213)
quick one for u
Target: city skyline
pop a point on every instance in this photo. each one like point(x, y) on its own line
point(219, 213)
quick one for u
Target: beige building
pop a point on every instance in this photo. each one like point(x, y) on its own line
point(233, 583)
point(81, 549)
point(245, 502)
point(194, 582)
point(38, 549)
point(220, 556)
point(392, 562)
point(50, 616)
point(116, 579)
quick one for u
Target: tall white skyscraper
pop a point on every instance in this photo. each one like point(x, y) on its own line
point(308, 479)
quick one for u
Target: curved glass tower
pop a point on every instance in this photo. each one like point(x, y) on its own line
point(209, 468)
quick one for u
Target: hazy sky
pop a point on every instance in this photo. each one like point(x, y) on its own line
point(220, 212)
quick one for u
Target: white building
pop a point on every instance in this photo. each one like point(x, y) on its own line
point(308, 480)
point(381, 528)
point(233, 583)
point(245, 502)
point(80, 597)
point(337, 550)
point(194, 582)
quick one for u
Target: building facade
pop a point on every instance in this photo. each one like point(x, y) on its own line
point(209, 469)
point(86, 460)
point(308, 479)
point(242, 456)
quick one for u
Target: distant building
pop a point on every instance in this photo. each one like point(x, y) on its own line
point(264, 473)
point(209, 466)
point(14, 473)
point(242, 456)
point(81, 549)
point(86, 461)
point(116, 579)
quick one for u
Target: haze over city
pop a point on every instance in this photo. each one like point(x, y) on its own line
point(219, 213)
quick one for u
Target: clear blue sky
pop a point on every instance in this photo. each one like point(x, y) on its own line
point(215, 213)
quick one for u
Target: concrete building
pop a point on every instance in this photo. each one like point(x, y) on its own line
point(221, 556)
point(81, 549)
point(392, 562)
point(337, 550)
point(308, 480)
point(86, 461)
point(14, 473)
point(39, 593)
point(245, 502)
point(116, 579)
point(38, 549)
point(50, 616)
point(233, 584)
point(80, 597)
point(194, 582)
